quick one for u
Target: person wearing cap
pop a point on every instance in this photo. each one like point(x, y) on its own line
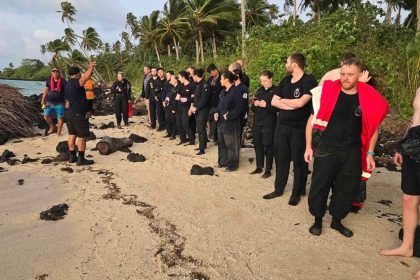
point(122, 97)
point(53, 101)
point(79, 109)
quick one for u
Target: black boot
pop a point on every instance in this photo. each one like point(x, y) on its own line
point(82, 161)
point(73, 157)
point(338, 226)
point(316, 228)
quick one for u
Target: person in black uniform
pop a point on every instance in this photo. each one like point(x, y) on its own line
point(166, 94)
point(244, 79)
point(200, 108)
point(122, 97)
point(215, 89)
point(184, 97)
point(151, 96)
point(264, 123)
point(159, 97)
point(171, 105)
point(244, 91)
point(229, 123)
point(79, 109)
point(293, 100)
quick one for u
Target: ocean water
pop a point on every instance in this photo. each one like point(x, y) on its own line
point(27, 88)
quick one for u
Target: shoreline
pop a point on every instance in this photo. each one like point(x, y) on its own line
point(153, 220)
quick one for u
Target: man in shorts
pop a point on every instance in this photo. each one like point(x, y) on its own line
point(53, 101)
point(79, 109)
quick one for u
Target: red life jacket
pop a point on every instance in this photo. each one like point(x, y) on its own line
point(374, 109)
point(58, 88)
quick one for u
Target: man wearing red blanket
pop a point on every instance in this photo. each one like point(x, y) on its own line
point(342, 138)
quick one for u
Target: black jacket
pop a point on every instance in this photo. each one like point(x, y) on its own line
point(230, 102)
point(150, 88)
point(265, 115)
point(215, 90)
point(124, 86)
point(201, 95)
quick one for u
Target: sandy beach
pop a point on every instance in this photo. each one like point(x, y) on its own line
point(153, 220)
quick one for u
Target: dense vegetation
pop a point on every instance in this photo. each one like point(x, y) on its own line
point(199, 32)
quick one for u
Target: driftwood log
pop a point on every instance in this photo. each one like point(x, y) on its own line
point(108, 145)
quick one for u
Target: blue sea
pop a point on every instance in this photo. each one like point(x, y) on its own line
point(27, 88)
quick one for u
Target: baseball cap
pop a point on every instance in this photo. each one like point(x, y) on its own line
point(55, 70)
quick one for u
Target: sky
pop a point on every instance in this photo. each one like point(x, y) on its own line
point(27, 24)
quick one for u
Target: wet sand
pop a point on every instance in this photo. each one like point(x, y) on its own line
point(153, 220)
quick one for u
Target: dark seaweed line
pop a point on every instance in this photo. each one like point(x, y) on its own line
point(171, 244)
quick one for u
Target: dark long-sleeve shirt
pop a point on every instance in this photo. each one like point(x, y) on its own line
point(150, 88)
point(215, 90)
point(201, 95)
point(186, 91)
point(124, 86)
point(160, 85)
point(231, 103)
point(265, 115)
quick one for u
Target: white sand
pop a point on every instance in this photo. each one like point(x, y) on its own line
point(227, 229)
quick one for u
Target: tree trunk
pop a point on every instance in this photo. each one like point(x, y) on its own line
point(157, 54)
point(213, 41)
point(418, 18)
point(318, 12)
point(398, 18)
point(197, 51)
point(294, 12)
point(388, 15)
point(108, 145)
point(169, 50)
point(243, 19)
point(176, 48)
point(200, 34)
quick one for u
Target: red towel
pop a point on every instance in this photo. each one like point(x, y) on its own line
point(374, 110)
point(130, 109)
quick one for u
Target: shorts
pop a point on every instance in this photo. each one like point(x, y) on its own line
point(77, 124)
point(57, 109)
point(410, 177)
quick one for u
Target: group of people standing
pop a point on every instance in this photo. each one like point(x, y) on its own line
point(334, 124)
point(186, 103)
point(343, 124)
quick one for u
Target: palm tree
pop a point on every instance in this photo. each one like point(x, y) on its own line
point(173, 22)
point(418, 18)
point(90, 39)
point(205, 13)
point(147, 31)
point(56, 47)
point(125, 38)
point(69, 36)
point(68, 11)
point(259, 12)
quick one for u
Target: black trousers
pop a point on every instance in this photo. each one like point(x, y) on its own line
point(343, 171)
point(181, 131)
point(213, 125)
point(160, 112)
point(170, 122)
point(185, 122)
point(121, 108)
point(290, 145)
point(263, 137)
point(201, 119)
point(152, 109)
point(228, 144)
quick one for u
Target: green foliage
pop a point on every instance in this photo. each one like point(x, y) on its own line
point(30, 69)
point(389, 52)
